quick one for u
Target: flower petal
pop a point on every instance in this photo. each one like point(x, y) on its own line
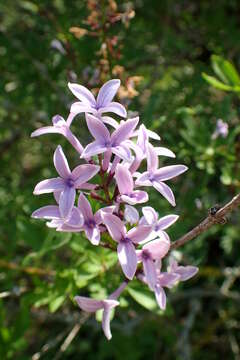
point(49, 185)
point(47, 130)
point(93, 235)
point(158, 248)
point(82, 93)
point(66, 201)
point(165, 191)
point(114, 107)
point(136, 197)
point(124, 131)
point(76, 218)
point(87, 304)
point(115, 226)
point(166, 221)
point(61, 164)
point(82, 173)
point(167, 279)
point(78, 108)
point(186, 272)
point(108, 306)
point(124, 179)
point(162, 151)
point(143, 179)
point(150, 215)
point(139, 233)
point(98, 130)
point(123, 152)
point(150, 273)
point(160, 297)
point(92, 149)
point(107, 92)
point(152, 159)
point(110, 121)
point(131, 214)
point(47, 212)
point(85, 207)
point(169, 172)
point(128, 258)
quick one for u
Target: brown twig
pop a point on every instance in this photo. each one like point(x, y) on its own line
point(218, 218)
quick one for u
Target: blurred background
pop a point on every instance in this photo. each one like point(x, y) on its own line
point(178, 62)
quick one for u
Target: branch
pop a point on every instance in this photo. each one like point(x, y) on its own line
point(218, 218)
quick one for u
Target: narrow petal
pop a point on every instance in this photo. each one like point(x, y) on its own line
point(168, 280)
point(83, 173)
point(87, 304)
point(124, 131)
point(153, 135)
point(98, 130)
point(85, 207)
point(60, 163)
point(165, 191)
point(115, 226)
point(136, 197)
point(150, 215)
point(152, 158)
point(110, 121)
point(128, 258)
point(98, 214)
point(124, 179)
point(93, 235)
point(47, 130)
point(73, 140)
point(49, 185)
point(76, 218)
point(47, 212)
point(160, 297)
point(92, 149)
point(143, 179)
point(186, 272)
point(114, 107)
point(169, 172)
point(78, 108)
point(131, 214)
point(82, 93)
point(66, 201)
point(107, 92)
point(108, 306)
point(139, 233)
point(162, 151)
point(166, 221)
point(122, 152)
point(158, 248)
point(150, 273)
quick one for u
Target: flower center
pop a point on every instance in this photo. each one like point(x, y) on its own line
point(125, 240)
point(151, 177)
point(90, 223)
point(146, 255)
point(107, 143)
point(70, 182)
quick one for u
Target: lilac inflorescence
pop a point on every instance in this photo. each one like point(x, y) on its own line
point(115, 158)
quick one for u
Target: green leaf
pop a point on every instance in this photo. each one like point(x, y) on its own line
point(216, 83)
point(144, 297)
point(56, 303)
point(225, 70)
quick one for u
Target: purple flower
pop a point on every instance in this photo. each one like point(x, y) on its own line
point(125, 186)
point(67, 183)
point(126, 251)
point(154, 250)
point(52, 212)
point(155, 177)
point(221, 129)
point(151, 217)
point(60, 126)
point(184, 272)
point(92, 305)
point(109, 143)
point(103, 104)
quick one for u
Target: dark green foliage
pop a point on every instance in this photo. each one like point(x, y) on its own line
point(188, 55)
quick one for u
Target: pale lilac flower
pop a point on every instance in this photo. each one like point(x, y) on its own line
point(52, 212)
point(151, 217)
point(184, 272)
point(109, 143)
point(221, 129)
point(60, 126)
point(126, 251)
point(67, 183)
point(154, 250)
point(103, 103)
point(126, 185)
point(131, 215)
point(92, 305)
point(155, 177)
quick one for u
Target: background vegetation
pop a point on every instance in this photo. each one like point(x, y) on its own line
point(159, 49)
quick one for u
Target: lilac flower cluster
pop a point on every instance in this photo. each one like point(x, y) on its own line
point(115, 158)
